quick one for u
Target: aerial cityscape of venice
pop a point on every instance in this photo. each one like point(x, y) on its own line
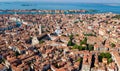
point(65, 35)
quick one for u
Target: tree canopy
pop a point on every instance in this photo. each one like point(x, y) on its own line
point(86, 47)
point(105, 55)
point(117, 17)
point(70, 43)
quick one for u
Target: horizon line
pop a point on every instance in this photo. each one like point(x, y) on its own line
point(63, 2)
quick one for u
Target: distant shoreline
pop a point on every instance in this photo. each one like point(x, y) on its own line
point(98, 7)
point(35, 11)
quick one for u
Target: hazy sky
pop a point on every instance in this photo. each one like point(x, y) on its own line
point(88, 1)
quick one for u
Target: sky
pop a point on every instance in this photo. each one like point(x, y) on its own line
point(85, 1)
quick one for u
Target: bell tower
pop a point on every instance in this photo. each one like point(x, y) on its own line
point(40, 29)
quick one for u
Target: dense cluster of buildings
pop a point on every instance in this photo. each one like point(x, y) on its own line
point(35, 11)
point(40, 42)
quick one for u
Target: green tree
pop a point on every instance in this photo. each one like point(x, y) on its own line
point(79, 59)
point(41, 41)
point(105, 55)
point(117, 17)
point(84, 41)
point(90, 47)
point(112, 45)
point(80, 47)
point(75, 46)
point(71, 37)
point(109, 60)
point(100, 58)
point(70, 43)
